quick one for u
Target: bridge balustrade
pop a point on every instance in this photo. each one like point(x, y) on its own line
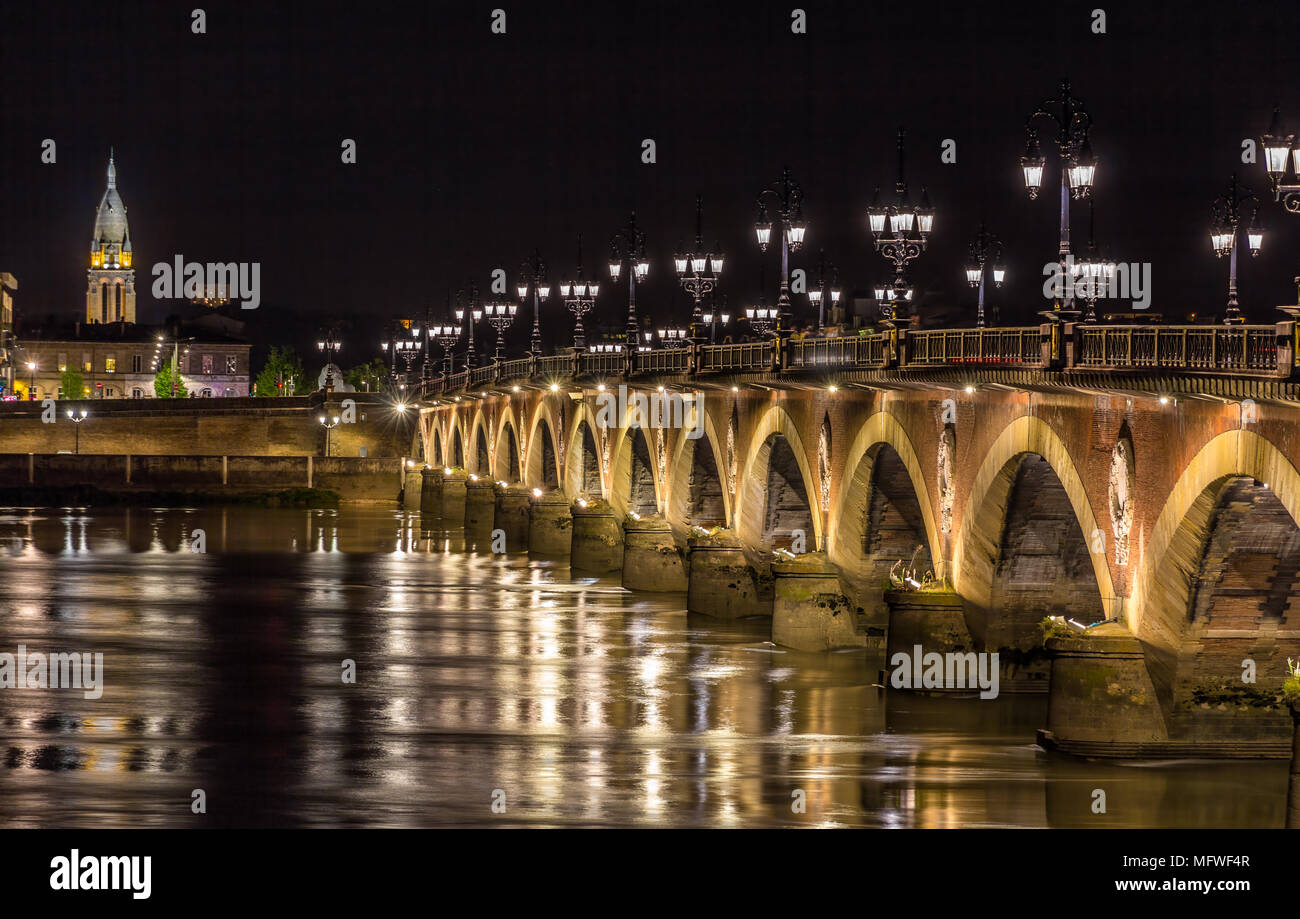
point(672, 360)
point(602, 364)
point(941, 347)
point(752, 356)
point(840, 351)
point(1240, 349)
point(555, 365)
point(514, 370)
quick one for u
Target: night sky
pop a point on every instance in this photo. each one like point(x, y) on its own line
point(474, 148)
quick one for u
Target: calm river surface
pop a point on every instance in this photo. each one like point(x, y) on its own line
point(585, 704)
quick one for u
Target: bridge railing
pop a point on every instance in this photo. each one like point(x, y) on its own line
point(747, 356)
point(841, 351)
point(1014, 346)
point(670, 360)
point(1241, 348)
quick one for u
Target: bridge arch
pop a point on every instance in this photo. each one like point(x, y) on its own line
point(505, 464)
point(582, 474)
point(1028, 460)
point(633, 477)
point(1236, 473)
point(541, 466)
point(479, 460)
point(776, 470)
point(697, 494)
point(435, 455)
point(881, 450)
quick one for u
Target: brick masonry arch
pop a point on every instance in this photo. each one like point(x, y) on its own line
point(680, 470)
point(541, 436)
point(978, 548)
point(578, 455)
point(751, 486)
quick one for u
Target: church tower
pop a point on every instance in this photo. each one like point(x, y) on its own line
point(110, 282)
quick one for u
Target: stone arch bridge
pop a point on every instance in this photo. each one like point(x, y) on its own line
point(1140, 477)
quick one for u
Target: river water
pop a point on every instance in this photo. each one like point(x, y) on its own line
point(489, 690)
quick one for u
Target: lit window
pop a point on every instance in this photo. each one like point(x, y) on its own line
point(207, 364)
point(231, 364)
point(86, 364)
point(110, 365)
point(63, 362)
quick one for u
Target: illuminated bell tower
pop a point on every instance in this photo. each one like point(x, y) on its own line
point(110, 282)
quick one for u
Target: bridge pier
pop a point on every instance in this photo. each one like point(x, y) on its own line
point(1101, 701)
point(412, 488)
point(809, 610)
point(722, 583)
point(651, 559)
point(511, 515)
point(550, 525)
point(480, 505)
point(431, 494)
point(453, 496)
point(597, 538)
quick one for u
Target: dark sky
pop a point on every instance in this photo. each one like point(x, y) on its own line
point(475, 148)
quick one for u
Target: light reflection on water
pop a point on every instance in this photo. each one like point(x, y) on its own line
point(584, 703)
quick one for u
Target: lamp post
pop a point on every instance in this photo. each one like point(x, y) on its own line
point(580, 298)
point(1078, 165)
point(329, 346)
point(712, 319)
point(674, 337)
point(77, 418)
point(1094, 271)
point(501, 316)
point(628, 245)
point(1227, 217)
point(328, 424)
point(446, 337)
point(160, 343)
point(1277, 146)
point(533, 274)
point(405, 348)
point(788, 197)
point(31, 385)
point(898, 244)
point(985, 253)
point(825, 292)
point(468, 317)
point(698, 271)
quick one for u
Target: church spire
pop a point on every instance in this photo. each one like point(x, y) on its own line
point(112, 170)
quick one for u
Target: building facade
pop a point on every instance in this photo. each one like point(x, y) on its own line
point(109, 355)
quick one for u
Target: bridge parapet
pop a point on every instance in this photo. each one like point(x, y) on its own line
point(1248, 351)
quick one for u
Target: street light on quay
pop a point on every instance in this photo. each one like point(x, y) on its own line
point(628, 246)
point(328, 424)
point(407, 348)
point(500, 316)
point(329, 346)
point(580, 298)
point(698, 271)
point(788, 197)
point(77, 417)
point(532, 274)
point(1078, 164)
point(1228, 211)
point(985, 253)
point(827, 289)
point(909, 228)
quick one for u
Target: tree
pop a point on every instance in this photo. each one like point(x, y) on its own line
point(162, 382)
point(72, 383)
point(282, 374)
point(368, 377)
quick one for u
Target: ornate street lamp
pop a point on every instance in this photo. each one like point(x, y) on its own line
point(533, 274)
point(674, 337)
point(1278, 148)
point(899, 232)
point(788, 197)
point(77, 417)
point(712, 319)
point(628, 246)
point(1228, 210)
point(826, 291)
point(580, 298)
point(469, 317)
point(407, 348)
point(446, 336)
point(1078, 164)
point(329, 346)
point(500, 316)
point(985, 253)
point(698, 271)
